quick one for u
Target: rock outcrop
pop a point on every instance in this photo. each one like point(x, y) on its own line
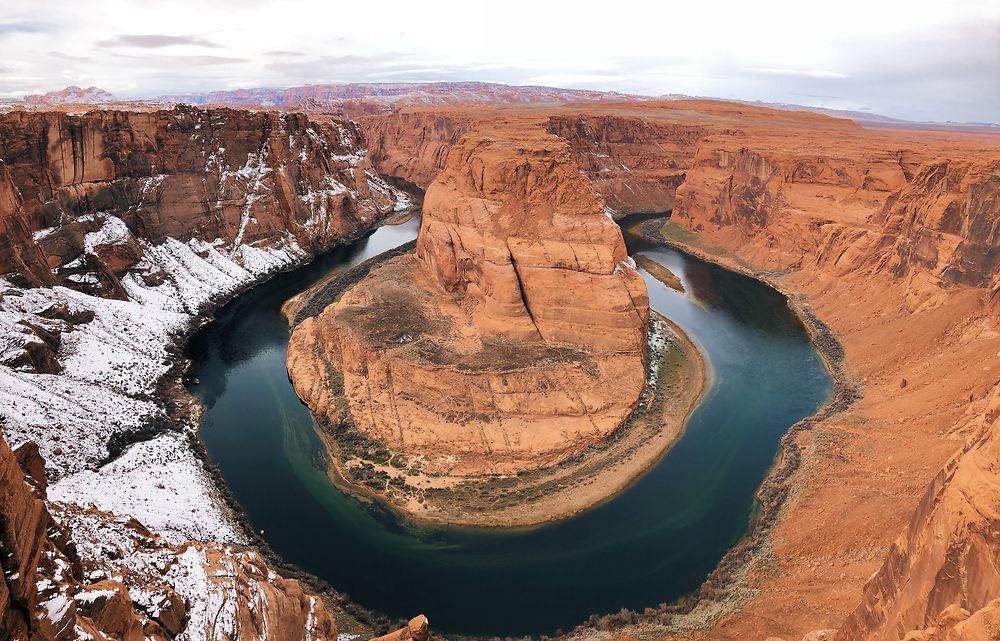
point(892, 234)
point(941, 578)
point(412, 146)
point(636, 164)
point(171, 212)
point(83, 196)
point(93, 575)
point(513, 338)
point(71, 95)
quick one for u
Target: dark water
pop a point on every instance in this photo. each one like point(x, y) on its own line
point(653, 543)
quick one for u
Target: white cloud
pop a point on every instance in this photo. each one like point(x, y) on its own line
point(811, 73)
point(901, 57)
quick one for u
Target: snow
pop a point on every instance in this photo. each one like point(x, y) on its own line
point(123, 348)
point(113, 232)
point(71, 421)
point(627, 263)
point(89, 596)
point(160, 482)
point(113, 364)
point(660, 336)
point(56, 607)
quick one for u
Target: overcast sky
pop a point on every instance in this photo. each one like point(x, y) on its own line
point(916, 59)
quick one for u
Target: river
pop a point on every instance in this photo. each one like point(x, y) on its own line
point(651, 544)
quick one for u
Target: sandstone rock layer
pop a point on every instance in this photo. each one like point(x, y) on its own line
point(513, 338)
point(83, 196)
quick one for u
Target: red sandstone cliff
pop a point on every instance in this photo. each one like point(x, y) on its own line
point(893, 235)
point(941, 578)
point(53, 590)
point(227, 177)
point(857, 218)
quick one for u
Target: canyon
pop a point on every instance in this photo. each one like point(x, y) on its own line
point(890, 238)
point(148, 219)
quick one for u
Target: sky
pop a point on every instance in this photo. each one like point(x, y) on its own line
point(933, 60)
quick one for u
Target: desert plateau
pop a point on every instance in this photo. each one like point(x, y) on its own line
point(323, 327)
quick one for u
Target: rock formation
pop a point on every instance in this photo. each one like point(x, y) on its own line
point(513, 338)
point(122, 582)
point(893, 236)
point(636, 164)
point(941, 579)
point(71, 95)
point(385, 95)
point(82, 196)
point(171, 212)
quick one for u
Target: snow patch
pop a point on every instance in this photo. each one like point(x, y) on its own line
point(160, 482)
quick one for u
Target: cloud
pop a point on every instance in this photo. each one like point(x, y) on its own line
point(918, 59)
point(21, 26)
point(180, 61)
point(809, 73)
point(329, 68)
point(157, 41)
point(65, 56)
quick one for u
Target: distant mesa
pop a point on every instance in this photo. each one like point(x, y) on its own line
point(72, 95)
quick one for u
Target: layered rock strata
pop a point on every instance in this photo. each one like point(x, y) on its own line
point(92, 575)
point(941, 579)
point(83, 197)
point(513, 338)
point(892, 235)
point(120, 230)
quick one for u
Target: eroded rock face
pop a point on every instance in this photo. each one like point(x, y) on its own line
point(636, 164)
point(941, 578)
point(112, 579)
point(515, 227)
point(413, 146)
point(82, 196)
point(943, 228)
point(515, 336)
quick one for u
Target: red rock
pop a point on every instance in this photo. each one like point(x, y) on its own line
point(243, 177)
point(514, 339)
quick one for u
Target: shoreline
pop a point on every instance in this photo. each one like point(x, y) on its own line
point(536, 498)
point(586, 480)
point(183, 413)
point(731, 567)
point(723, 591)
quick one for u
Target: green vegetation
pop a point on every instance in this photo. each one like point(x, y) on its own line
point(660, 273)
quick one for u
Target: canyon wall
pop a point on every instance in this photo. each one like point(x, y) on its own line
point(512, 224)
point(120, 231)
point(636, 164)
point(893, 237)
point(941, 578)
point(803, 186)
point(91, 575)
point(79, 194)
point(412, 145)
